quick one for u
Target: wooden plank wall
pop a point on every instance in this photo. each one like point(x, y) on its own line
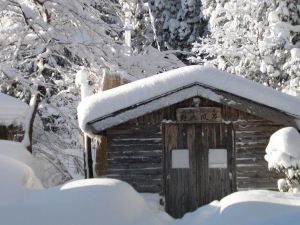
point(251, 139)
point(135, 156)
point(135, 148)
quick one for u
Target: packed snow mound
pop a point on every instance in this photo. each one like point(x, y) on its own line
point(284, 148)
point(93, 202)
point(16, 179)
point(17, 151)
point(18, 170)
point(12, 110)
point(255, 207)
point(114, 100)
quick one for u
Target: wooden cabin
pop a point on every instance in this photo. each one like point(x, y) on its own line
point(13, 113)
point(193, 134)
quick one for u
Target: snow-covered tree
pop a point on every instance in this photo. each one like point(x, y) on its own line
point(283, 156)
point(257, 39)
point(44, 44)
point(137, 21)
point(177, 23)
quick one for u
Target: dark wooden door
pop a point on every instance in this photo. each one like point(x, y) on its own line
point(189, 180)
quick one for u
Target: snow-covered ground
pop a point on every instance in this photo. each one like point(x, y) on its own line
point(113, 202)
point(94, 201)
point(257, 207)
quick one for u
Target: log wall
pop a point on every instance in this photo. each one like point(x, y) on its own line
point(11, 132)
point(134, 149)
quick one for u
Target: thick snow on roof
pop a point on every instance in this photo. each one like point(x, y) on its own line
point(12, 110)
point(110, 101)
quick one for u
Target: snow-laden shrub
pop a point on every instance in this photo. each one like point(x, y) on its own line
point(283, 155)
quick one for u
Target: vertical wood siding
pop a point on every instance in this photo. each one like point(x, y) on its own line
point(186, 189)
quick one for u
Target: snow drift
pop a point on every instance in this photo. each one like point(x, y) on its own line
point(17, 175)
point(17, 151)
point(94, 201)
point(247, 208)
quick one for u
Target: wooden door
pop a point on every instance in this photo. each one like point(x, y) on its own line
point(189, 180)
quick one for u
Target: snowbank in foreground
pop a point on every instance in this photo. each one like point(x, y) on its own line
point(17, 175)
point(248, 208)
point(17, 151)
point(16, 178)
point(94, 201)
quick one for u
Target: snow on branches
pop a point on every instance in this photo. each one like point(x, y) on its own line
point(44, 44)
point(177, 23)
point(255, 39)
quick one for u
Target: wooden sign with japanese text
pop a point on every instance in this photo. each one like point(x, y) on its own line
point(199, 114)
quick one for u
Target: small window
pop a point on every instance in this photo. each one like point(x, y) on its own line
point(217, 158)
point(180, 158)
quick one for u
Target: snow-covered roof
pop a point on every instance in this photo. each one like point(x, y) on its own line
point(129, 101)
point(12, 110)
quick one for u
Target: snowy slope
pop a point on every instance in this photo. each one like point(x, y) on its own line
point(121, 97)
point(12, 110)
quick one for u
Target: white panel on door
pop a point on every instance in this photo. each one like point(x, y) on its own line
point(180, 158)
point(217, 158)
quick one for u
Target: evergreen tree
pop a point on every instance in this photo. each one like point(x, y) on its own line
point(257, 39)
point(137, 20)
point(177, 23)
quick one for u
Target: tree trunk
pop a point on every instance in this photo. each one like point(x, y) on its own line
point(34, 102)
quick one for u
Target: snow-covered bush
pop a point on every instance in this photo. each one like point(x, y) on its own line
point(283, 155)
